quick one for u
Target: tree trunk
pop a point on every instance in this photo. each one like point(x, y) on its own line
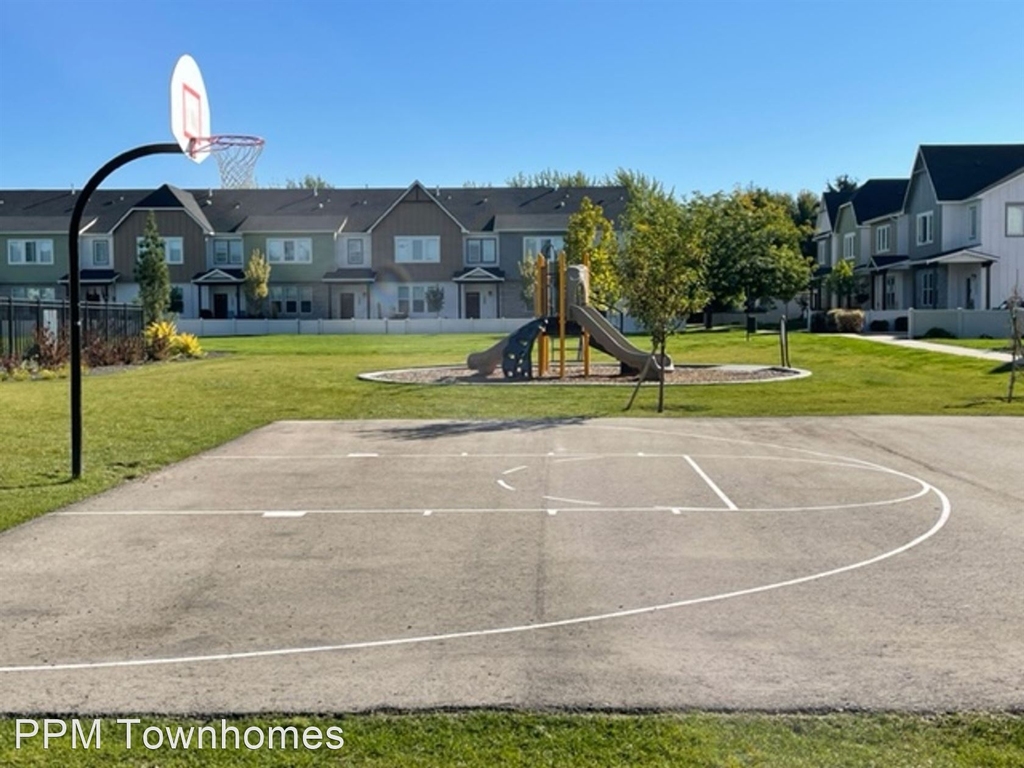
point(708, 317)
point(661, 379)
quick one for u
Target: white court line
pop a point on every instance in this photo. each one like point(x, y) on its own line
point(521, 628)
point(285, 513)
point(711, 483)
point(514, 469)
point(362, 456)
point(505, 485)
point(572, 501)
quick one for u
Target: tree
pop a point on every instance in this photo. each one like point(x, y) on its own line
point(589, 232)
point(257, 276)
point(434, 296)
point(309, 181)
point(528, 277)
point(842, 183)
point(804, 212)
point(661, 265)
point(842, 281)
point(552, 178)
point(152, 274)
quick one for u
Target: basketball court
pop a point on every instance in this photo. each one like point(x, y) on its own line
point(609, 563)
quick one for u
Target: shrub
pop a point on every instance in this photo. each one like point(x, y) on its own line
point(900, 324)
point(159, 335)
point(186, 345)
point(51, 350)
point(938, 333)
point(847, 320)
point(818, 322)
point(879, 326)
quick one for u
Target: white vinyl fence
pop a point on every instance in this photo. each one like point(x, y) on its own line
point(319, 327)
point(962, 323)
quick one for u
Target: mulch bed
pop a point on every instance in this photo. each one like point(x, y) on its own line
point(599, 374)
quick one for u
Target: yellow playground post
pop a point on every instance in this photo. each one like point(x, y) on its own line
point(586, 333)
point(561, 314)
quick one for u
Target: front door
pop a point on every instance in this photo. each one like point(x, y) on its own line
point(348, 305)
point(969, 293)
point(220, 306)
point(473, 304)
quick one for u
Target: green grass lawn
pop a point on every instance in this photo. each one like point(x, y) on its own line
point(490, 739)
point(138, 420)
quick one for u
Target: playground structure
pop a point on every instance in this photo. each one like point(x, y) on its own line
point(569, 288)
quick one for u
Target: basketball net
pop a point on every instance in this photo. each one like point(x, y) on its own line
point(236, 158)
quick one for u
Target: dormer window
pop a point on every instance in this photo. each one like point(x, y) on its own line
point(925, 222)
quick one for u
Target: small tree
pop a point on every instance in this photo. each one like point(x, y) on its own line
point(152, 274)
point(589, 232)
point(842, 281)
point(528, 275)
point(662, 267)
point(434, 296)
point(257, 277)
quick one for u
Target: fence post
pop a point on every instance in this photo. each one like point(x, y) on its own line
point(959, 322)
point(39, 314)
point(10, 326)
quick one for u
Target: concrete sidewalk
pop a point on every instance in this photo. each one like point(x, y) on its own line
point(929, 346)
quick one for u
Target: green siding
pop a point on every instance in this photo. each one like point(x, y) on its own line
point(323, 256)
point(37, 275)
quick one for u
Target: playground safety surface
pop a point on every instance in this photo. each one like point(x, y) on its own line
point(600, 373)
point(771, 564)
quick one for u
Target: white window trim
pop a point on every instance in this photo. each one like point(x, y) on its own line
point(282, 294)
point(229, 262)
point(973, 220)
point(167, 250)
point(891, 298)
point(887, 229)
point(930, 216)
point(481, 261)
point(1006, 221)
point(363, 249)
point(435, 239)
point(929, 285)
point(21, 262)
point(850, 245)
point(272, 242)
point(528, 252)
point(92, 253)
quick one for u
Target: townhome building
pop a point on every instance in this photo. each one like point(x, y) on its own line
point(334, 253)
point(950, 236)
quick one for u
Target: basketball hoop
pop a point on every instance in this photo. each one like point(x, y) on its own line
point(236, 157)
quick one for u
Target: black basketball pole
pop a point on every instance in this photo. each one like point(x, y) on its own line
point(74, 287)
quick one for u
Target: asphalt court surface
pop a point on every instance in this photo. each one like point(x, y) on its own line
point(620, 563)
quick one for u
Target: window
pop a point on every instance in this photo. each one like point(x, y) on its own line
point(174, 249)
point(30, 251)
point(177, 304)
point(890, 292)
point(101, 253)
point(928, 289)
point(546, 245)
point(227, 251)
point(924, 228)
point(409, 250)
point(32, 293)
point(849, 245)
point(291, 300)
point(1015, 219)
point(354, 251)
point(412, 299)
point(823, 252)
point(297, 251)
point(972, 222)
point(481, 250)
point(882, 238)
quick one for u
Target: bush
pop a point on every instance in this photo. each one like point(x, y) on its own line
point(938, 333)
point(879, 326)
point(50, 350)
point(818, 322)
point(186, 345)
point(847, 320)
point(159, 335)
point(900, 324)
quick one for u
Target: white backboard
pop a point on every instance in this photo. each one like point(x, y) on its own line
point(190, 109)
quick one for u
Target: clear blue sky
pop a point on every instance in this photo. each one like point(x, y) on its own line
point(701, 95)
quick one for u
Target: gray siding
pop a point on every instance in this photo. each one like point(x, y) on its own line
point(921, 198)
point(35, 275)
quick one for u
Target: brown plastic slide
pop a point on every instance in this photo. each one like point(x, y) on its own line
point(607, 336)
point(485, 362)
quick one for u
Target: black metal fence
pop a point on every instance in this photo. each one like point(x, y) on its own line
point(20, 319)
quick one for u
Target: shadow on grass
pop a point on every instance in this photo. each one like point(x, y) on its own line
point(433, 430)
point(37, 484)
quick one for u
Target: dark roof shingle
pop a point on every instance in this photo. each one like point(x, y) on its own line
point(960, 171)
